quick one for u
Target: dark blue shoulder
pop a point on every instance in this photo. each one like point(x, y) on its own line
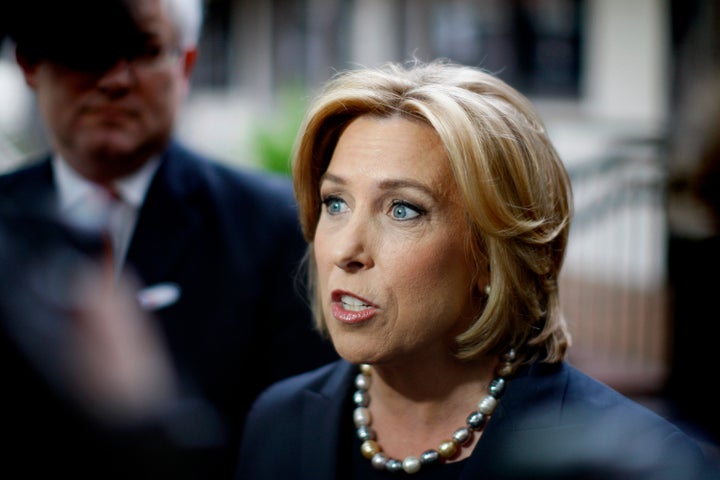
point(561, 418)
point(217, 175)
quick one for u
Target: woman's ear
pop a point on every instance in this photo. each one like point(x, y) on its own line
point(483, 286)
point(483, 281)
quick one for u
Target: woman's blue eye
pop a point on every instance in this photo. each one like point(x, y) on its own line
point(334, 205)
point(404, 211)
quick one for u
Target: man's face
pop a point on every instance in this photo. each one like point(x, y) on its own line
point(107, 114)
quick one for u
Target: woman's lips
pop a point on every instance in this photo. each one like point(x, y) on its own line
point(351, 309)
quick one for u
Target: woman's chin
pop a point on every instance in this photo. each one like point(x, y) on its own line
point(354, 355)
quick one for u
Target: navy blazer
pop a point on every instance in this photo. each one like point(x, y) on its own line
point(553, 422)
point(53, 431)
point(230, 239)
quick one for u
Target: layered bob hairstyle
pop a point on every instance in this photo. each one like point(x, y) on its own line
point(515, 190)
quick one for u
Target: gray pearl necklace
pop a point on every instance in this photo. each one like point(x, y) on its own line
point(475, 422)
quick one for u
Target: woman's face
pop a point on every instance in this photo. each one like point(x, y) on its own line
point(393, 275)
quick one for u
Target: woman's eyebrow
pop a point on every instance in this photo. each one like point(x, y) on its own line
point(389, 184)
point(329, 177)
point(396, 184)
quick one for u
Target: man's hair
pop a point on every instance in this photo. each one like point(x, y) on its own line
point(83, 32)
point(187, 15)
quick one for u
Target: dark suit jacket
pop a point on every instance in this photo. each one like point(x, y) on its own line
point(51, 428)
point(231, 241)
point(553, 422)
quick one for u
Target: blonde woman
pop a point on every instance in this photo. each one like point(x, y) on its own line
point(437, 214)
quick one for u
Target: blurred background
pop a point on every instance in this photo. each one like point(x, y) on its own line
point(630, 93)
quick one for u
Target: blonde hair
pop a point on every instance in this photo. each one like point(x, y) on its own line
point(513, 185)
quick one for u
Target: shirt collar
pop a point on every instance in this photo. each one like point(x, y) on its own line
point(74, 188)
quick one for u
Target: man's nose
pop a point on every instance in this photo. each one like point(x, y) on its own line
point(119, 75)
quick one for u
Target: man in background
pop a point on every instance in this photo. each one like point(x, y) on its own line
point(215, 249)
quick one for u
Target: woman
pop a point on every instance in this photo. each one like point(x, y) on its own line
point(437, 213)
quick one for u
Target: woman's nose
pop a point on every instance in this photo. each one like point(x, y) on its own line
point(353, 247)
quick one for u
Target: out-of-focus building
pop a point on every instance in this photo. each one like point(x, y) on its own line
point(600, 60)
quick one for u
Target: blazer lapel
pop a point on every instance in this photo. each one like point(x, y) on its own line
point(321, 427)
point(166, 222)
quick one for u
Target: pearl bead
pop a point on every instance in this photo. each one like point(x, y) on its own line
point(393, 465)
point(362, 382)
point(447, 449)
point(509, 356)
point(361, 416)
point(487, 405)
point(429, 456)
point(462, 435)
point(504, 370)
point(366, 369)
point(369, 448)
point(411, 464)
point(379, 460)
point(365, 433)
point(496, 387)
point(476, 421)
point(361, 398)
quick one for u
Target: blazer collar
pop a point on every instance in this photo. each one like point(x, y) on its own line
point(167, 220)
point(323, 407)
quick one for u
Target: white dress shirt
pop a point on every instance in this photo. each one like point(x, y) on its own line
point(89, 205)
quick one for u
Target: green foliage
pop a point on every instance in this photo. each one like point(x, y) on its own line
point(273, 139)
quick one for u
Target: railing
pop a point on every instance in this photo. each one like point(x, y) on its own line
point(613, 286)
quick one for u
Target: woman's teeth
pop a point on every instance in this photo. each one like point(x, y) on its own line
point(352, 303)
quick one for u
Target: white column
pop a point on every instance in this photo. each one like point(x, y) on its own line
point(251, 48)
point(627, 48)
point(374, 33)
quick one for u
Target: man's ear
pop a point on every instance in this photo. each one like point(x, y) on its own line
point(28, 66)
point(189, 58)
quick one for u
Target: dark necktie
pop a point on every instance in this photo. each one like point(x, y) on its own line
point(111, 202)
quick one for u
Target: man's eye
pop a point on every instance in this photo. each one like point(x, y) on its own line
point(152, 51)
point(147, 53)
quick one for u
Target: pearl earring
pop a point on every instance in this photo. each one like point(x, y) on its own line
point(487, 289)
